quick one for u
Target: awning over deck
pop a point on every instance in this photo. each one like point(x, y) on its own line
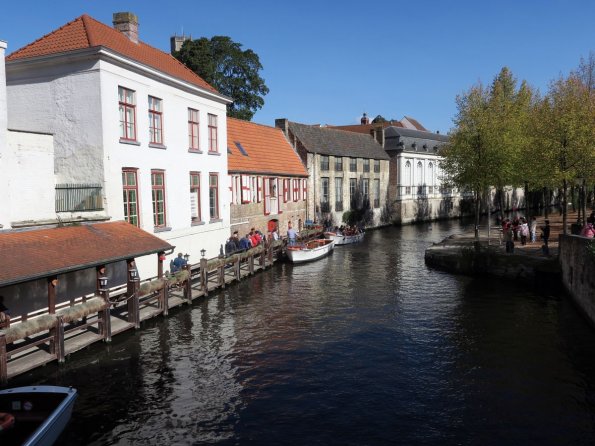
point(30, 255)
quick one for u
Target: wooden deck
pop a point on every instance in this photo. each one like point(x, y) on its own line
point(57, 343)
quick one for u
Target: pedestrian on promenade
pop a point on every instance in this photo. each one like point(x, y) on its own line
point(533, 229)
point(524, 230)
point(245, 243)
point(178, 263)
point(509, 239)
point(545, 235)
point(588, 231)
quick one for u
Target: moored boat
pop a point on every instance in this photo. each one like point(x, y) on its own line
point(312, 250)
point(344, 239)
point(35, 415)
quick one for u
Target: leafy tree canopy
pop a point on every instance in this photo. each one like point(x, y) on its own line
point(234, 72)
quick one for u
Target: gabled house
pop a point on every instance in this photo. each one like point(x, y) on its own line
point(268, 180)
point(341, 167)
point(137, 135)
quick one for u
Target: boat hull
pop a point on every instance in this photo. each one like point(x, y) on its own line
point(41, 413)
point(310, 251)
point(341, 239)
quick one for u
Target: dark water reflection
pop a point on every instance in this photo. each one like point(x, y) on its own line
point(365, 347)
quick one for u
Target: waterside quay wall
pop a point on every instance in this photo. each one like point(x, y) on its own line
point(577, 261)
point(458, 254)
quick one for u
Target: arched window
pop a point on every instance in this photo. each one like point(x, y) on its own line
point(420, 173)
point(430, 175)
point(407, 180)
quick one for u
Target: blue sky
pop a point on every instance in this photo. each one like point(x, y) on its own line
point(328, 61)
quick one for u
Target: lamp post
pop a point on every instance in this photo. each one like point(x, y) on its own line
point(133, 274)
point(203, 252)
point(186, 257)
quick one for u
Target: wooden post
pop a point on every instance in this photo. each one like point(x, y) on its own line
point(188, 284)
point(105, 318)
point(204, 275)
point(160, 258)
point(3, 360)
point(251, 265)
point(221, 272)
point(237, 268)
point(59, 340)
point(132, 294)
point(165, 299)
point(262, 259)
point(52, 285)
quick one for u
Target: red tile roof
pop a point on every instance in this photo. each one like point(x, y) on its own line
point(267, 149)
point(86, 32)
point(29, 255)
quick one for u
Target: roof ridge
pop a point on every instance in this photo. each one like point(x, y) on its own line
point(85, 18)
point(270, 127)
point(44, 36)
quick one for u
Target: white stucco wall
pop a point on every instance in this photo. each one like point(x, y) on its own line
point(77, 101)
point(32, 187)
point(5, 201)
point(175, 160)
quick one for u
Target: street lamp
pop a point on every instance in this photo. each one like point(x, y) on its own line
point(133, 274)
point(186, 257)
point(203, 252)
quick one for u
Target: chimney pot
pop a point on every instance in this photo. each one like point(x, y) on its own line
point(127, 24)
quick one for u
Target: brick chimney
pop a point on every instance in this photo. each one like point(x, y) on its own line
point(127, 24)
point(283, 124)
point(365, 120)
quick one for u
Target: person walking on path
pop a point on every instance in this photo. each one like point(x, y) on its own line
point(533, 229)
point(509, 238)
point(524, 230)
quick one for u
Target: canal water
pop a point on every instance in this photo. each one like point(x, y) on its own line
point(365, 347)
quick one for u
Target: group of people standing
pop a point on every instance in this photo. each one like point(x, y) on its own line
point(525, 231)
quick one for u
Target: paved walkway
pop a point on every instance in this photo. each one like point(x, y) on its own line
point(530, 249)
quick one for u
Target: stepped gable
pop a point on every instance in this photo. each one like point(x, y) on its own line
point(86, 32)
point(257, 148)
point(328, 141)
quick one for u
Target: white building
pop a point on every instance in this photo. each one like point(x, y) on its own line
point(416, 178)
point(137, 137)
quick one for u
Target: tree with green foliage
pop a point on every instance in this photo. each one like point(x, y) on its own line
point(485, 149)
point(234, 72)
point(564, 135)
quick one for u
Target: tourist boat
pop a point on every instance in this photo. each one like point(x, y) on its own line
point(34, 415)
point(344, 239)
point(312, 250)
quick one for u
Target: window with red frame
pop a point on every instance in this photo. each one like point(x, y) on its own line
point(286, 190)
point(130, 189)
point(127, 105)
point(195, 197)
point(213, 133)
point(158, 196)
point(304, 189)
point(193, 125)
point(155, 120)
point(296, 189)
point(214, 196)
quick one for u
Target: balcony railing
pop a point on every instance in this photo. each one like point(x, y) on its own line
point(78, 197)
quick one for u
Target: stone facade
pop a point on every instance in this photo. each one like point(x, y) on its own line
point(339, 164)
point(577, 260)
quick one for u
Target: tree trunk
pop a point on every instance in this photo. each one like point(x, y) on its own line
point(545, 202)
point(477, 214)
point(564, 206)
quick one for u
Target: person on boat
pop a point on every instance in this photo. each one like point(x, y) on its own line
point(4, 314)
point(291, 235)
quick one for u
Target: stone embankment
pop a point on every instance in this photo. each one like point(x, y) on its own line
point(459, 254)
point(528, 263)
